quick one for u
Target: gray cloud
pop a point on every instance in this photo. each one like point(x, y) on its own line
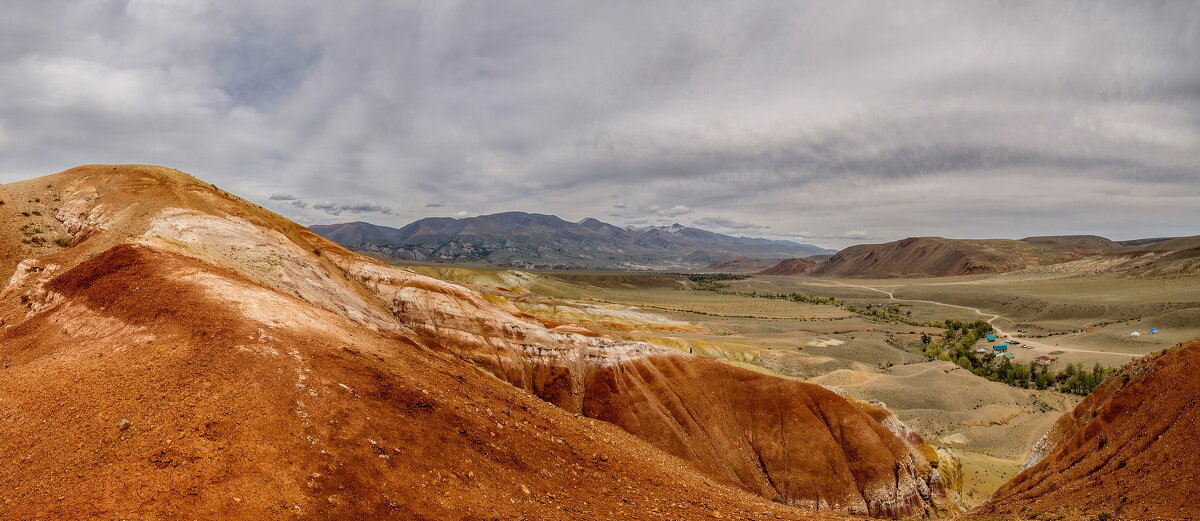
point(1073, 117)
point(673, 211)
point(852, 235)
point(727, 224)
point(363, 207)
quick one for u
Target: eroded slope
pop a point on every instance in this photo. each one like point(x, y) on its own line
point(1128, 450)
point(266, 371)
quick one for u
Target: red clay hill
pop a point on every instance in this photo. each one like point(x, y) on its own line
point(169, 351)
point(790, 267)
point(1127, 452)
point(741, 265)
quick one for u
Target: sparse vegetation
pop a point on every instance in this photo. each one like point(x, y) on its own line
point(892, 313)
point(713, 281)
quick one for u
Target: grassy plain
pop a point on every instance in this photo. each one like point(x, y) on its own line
point(1078, 319)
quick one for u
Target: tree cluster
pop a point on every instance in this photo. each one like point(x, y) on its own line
point(958, 346)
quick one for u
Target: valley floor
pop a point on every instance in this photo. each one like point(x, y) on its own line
point(989, 426)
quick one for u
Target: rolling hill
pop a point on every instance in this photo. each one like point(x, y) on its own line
point(170, 351)
point(741, 265)
point(1173, 257)
point(790, 267)
point(528, 240)
point(939, 257)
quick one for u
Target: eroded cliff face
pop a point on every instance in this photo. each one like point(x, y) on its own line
point(222, 273)
point(780, 439)
point(1127, 450)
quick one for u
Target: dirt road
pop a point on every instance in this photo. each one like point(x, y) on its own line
point(991, 320)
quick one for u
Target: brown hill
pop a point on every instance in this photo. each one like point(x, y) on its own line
point(170, 351)
point(939, 257)
point(1169, 257)
point(1082, 242)
point(790, 267)
point(741, 265)
point(1145, 258)
point(1126, 452)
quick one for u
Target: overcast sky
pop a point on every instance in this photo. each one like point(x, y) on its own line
point(829, 122)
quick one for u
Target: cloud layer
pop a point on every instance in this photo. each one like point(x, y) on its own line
point(780, 119)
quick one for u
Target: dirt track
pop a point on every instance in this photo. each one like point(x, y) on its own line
point(991, 319)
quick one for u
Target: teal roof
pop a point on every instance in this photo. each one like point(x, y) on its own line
point(991, 337)
point(1000, 347)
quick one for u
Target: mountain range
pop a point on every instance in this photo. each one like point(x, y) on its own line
point(530, 240)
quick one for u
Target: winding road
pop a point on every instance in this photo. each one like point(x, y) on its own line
point(991, 320)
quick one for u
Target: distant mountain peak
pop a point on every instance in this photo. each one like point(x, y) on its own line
point(545, 241)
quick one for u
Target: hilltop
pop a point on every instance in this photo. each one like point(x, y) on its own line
point(200, 356)
point(530, 240)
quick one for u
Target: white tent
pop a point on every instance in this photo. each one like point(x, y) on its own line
point(1135, 334)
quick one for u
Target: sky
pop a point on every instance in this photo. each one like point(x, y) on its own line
point(826, 122)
